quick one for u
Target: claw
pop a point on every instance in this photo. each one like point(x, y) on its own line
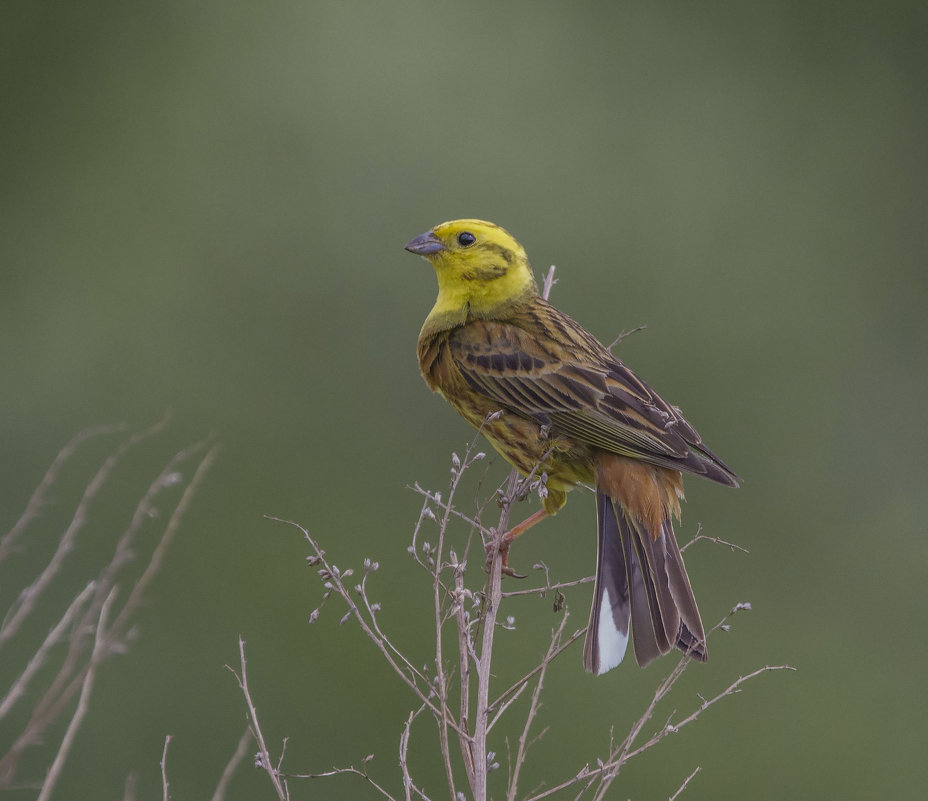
point(500, 544)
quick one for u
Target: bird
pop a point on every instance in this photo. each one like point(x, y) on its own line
point(552, 399)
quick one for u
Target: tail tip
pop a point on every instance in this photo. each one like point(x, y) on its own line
point(692, 646)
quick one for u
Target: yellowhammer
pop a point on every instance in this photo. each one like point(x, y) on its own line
point(492, 343)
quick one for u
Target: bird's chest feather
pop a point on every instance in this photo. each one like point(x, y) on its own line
point(522, 441)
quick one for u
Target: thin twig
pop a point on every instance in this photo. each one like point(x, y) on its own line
point(524, 742)
point(157, 556)
point(686, 781)
point(503, 699)
point(437, 500)
point(386, 648)
point(409, 785)
point(21, 684)
point(255, 726)
point(99, 653)
point(492, 598)
point(438, 594)
point(732, 689)
point(624, 334)
point(241, 750)
point(717, 540)
point(37, 501)
point(404, 758)
point(30, 595)
point(352, 770)
point(130, 786)
point(542, 591)
point(165, 787)
point(549, 282)
point(69, 678)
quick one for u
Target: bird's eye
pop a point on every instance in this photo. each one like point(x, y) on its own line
point(466, 238)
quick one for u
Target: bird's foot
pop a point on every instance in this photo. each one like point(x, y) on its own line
point(500, 544)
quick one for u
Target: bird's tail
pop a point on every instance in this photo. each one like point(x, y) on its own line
point(640, 579)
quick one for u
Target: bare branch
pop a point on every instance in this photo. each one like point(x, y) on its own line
point(157, 557)
point(734, 687)
point(542, 591)
point(37, 501)
point(19, 686)
point(620, 337)
point(352, 770)
point(685, 783)
point(492, 598)
point(71, 674)
point(165, 787)
point(24, 605)
point(255, 726)
point(717, 540)
point(333, 582)
point(99, 653)
point(130, 786)
point(524, 742)
point(504, 699)
point(241, 750)
point(548, 283)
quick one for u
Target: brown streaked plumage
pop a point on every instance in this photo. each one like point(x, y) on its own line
point(492, 343)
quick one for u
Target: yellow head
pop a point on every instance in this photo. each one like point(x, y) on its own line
point(481, 269)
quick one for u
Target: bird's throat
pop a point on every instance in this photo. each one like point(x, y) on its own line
point(459, 300)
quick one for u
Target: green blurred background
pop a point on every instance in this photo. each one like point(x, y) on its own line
point(203, 207)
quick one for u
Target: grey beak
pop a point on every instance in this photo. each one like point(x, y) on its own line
point(424, 244)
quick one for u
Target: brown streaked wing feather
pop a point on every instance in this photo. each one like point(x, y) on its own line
point(545, 366)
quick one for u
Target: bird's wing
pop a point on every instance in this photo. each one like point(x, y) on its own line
point(569, 382)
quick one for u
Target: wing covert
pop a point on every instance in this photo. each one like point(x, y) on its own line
point(584, 394)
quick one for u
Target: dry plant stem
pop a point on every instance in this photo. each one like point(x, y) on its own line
point(438, 592)
point(436, 498)
point(131, 785)
point(506, 698)
point(37, 501)
point(542, 591)
point(717, 540)
point(60, 692)
point(492, 599)
point(620, 337)
point(481, 717)
point(403, 668)
point(28, 597)
point(608, 769)
point(166, 479)
point(55, 697)
point(98, 655)
point(157, 556)
point(465, 650)
point(408, 785)
point(352, 770)
point(241, 750)
point(683, 786)
point(165, 788)
point(281, 787)
point(524, 742)
point(548, 283)
point(21, 684)
point(71, 674)
point(732, 689)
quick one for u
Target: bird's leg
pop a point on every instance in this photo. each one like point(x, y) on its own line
point(502, 542)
